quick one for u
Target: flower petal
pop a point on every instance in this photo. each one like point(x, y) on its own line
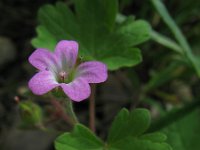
point(92, 71)
point(77, 90)
point(42, 82)
point(67, 51)
point(42, 59)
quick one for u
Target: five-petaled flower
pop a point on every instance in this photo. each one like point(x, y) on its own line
point(59, 69)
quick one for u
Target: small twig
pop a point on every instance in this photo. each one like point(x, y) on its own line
point(92, 107)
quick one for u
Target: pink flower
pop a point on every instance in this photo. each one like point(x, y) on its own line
point(59, 69)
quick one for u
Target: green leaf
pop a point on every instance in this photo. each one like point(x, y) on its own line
point(184, 134)
point(93, 26)
point(81, 138)
point(90, 13)
point(127, 132)
point(154, 137)
point(43, 38)
point(57, 23)
point(137, 122)
point(140, 144)
point(125, 59)
point(135, 32)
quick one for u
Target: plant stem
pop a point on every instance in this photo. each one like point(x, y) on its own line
point(61, 111)
point(70, 110)
point(92, 107)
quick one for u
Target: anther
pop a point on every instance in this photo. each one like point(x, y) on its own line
point(62, 75)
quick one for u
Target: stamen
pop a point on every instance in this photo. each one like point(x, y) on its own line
point(62, 75)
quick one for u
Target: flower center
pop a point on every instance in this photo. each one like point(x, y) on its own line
point(62, 76)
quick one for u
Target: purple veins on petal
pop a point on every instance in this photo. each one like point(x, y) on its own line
point(42, 82)
point(77, 90)
point(42, 59)
point(92, 71)
point(67, 51)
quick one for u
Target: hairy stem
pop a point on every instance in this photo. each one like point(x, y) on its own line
point(92, 108)
point(61, 112)
point(70, 110)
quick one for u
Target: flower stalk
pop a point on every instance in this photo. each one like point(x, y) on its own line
point(70, 110)
point(59, 108)
point(92, 108)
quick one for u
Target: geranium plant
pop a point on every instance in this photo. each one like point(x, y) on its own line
point(78, 48)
